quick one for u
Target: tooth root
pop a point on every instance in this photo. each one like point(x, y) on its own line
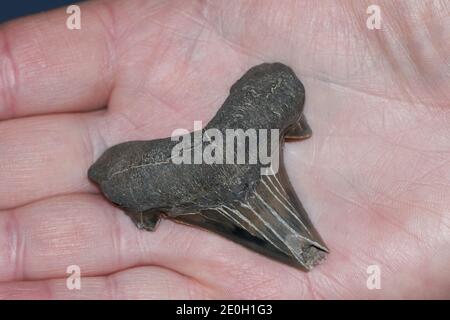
point(300, 130)
point(145, 220)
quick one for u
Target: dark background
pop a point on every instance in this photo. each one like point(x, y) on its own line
point(10, 9)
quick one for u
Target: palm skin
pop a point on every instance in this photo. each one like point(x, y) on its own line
point(374, 177)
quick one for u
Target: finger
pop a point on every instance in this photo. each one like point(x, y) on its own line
point(42, 239)
point(135, 283)
point(45, 67)
point(46, 155)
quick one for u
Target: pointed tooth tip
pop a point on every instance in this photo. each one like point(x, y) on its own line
point(313, 256)
point(313, 253)
point(315, 240)
point(321, 245)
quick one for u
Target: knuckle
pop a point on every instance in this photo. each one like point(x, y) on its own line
point(8, 77)
point(10, 247)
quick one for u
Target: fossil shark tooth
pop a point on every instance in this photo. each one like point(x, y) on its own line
point(250, 203)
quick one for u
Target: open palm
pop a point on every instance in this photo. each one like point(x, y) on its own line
point(374, 178)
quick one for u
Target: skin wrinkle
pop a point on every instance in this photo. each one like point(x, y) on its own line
point(15, 255)
point(191, 50)
point(341, 289)
point(112, 286)
point(9, 79)
point(88, 144)
point(436, 47)
point(42, 291)
point(392, 221)
point(101, 59)
point(331, 82)
point(438, 43)
point(382, 44)
point(415, 63)
point(401, 81)
point(347, 199)
point(117, 241)
point(387, 252)
point(435, 213)
point(175, 32)
point(382, 163)
point(86, 147)
point(145, 92)
point(428, 243)
point(20, 247)
point(150, 15)
point(306, 286)
point(109, 25)
point(240, 287)
point(110, 281)
point(96, 139)
point(422, 152)
point(261, 289)
point(245, 50)
point(378, 200)
point(108, 63)
point(312, 289)
point(364, 259)
point(187, 278)
point(401, 190)
point(349, 89)
point(370, 206)
point(232, 44)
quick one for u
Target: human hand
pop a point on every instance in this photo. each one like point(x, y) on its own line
point(374, 178)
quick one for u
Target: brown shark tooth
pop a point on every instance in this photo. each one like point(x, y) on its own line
point(237, 201)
